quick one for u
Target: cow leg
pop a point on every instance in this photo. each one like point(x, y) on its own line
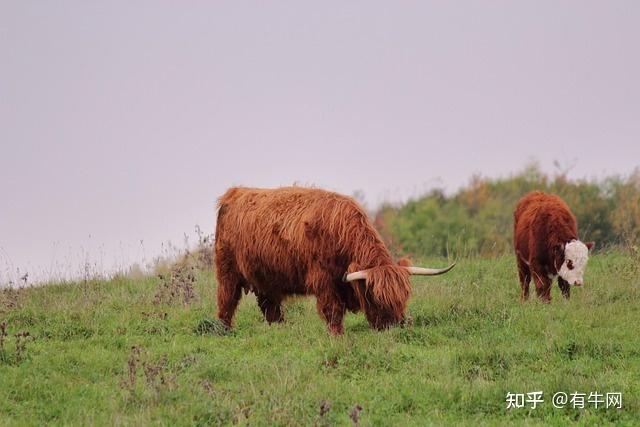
point(271, 308)
point(230, 284)
point(564, 287)
point(525, 278)
point(229, 293)
point(328, 301)
point(543, 284)
point(332, 309)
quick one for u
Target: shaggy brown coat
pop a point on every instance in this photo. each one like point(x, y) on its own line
point(543, 224)
point(300, 241)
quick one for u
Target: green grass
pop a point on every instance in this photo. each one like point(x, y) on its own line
point(470, 343)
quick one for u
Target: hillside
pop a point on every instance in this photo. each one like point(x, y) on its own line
point(139, 352)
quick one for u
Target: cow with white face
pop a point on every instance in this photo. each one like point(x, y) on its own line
point(576, 255)
point(545, 238)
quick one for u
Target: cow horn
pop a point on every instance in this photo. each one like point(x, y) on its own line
point(356, 275)
point(421, 271)
point(418, 271)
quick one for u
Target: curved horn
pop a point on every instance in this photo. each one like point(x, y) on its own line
point(417, 271)
point(356, 275)
point(421, 271)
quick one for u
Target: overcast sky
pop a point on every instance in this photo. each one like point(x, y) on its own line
point(122, 122)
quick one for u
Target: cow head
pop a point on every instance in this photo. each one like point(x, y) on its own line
point(383, 291)
point(574, 261)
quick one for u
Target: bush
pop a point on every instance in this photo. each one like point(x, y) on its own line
point(478, 219)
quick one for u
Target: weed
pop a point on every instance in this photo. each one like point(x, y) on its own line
point(132, 364)
point(155, 373)
point(207, 386)
point(354, 414)
point(21, 344)
point(3, 335)
point(178, 286)
point(187, 362)
point(325, 406)
point(156, 315)
point(9, 298)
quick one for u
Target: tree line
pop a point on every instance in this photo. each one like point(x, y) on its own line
point(478, 218)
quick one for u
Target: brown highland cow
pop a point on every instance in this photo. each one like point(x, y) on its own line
point(301, 241)
point(545, 238)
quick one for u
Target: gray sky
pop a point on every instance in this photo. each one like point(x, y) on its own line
point(123, 122)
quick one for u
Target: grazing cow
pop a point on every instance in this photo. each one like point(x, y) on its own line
point(545, 238)
point(301, 241)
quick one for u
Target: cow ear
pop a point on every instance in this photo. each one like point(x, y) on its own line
point(590, 245)
point(405, 262)
point(352, 267)
point(559, 252)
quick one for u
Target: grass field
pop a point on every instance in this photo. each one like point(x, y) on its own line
point(470, 343)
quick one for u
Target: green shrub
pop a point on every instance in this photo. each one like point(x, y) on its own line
point(478, 219)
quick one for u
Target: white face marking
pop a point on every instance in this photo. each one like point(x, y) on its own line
point(576, 255)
